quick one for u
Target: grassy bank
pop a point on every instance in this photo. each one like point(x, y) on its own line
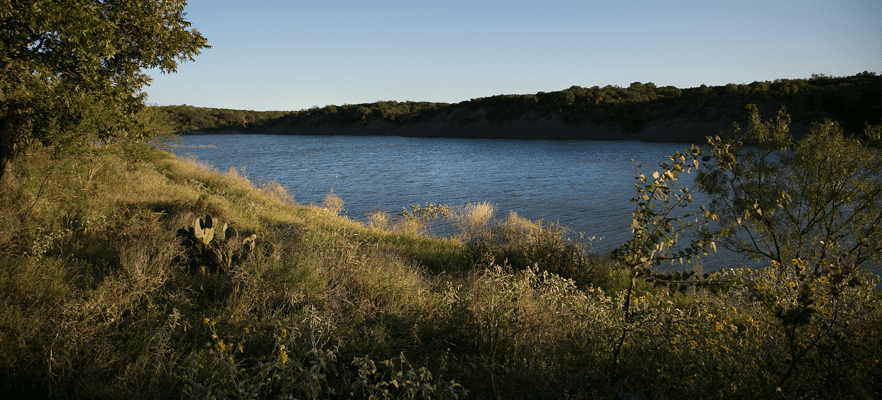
point(103, 298)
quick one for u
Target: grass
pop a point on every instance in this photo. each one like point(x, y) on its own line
point(96, 301)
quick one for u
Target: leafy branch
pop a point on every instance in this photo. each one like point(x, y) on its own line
point(656, 227)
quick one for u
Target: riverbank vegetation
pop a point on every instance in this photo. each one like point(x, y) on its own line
point(128, 273)
point(853, 101)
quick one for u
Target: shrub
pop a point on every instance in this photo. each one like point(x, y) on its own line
point(522, 243)
point(301, 365)
point(787, 328)
point(472, 221)
point(379, 220)
point(333, 203)
point(818, 199)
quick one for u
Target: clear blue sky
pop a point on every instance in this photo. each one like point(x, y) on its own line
point(292, 55)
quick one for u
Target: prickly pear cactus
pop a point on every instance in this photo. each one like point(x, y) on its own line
point(221, 235)
point(248, 243)
point(210, 250)
point(204, 229)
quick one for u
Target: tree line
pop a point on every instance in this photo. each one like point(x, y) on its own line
point(854, 101)
point(186, 118)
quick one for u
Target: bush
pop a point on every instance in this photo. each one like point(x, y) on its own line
point(799, 327)
point(522, 243)
point(301, 365)
point(333, 203)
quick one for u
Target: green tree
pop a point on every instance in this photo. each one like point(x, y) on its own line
point(812, 210)
point(818, 200)
point(71, 70)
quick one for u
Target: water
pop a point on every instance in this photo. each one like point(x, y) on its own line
point(584, 185)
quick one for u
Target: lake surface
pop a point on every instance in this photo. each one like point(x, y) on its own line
point(584, 185)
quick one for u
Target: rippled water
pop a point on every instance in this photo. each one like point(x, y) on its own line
point(585, 185)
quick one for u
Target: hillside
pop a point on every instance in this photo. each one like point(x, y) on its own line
point(641, 111)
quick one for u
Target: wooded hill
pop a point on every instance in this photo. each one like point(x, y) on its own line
point(642, 111)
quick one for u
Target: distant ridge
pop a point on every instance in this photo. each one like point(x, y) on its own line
point(641, 111)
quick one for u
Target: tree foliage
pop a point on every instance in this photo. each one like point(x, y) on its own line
point(72, 69)
point(658, 221)
point(812, 210)
point(186, 118)
point(853, 101)
point(818, 199)
point(809, 209)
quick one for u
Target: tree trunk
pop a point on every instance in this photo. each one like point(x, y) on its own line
point(7, 150)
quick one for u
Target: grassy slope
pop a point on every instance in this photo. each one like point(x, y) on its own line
point(95, 303)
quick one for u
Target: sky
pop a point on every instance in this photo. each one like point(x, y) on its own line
point(294, 55)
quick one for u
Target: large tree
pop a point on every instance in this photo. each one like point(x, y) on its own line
point(71, 70)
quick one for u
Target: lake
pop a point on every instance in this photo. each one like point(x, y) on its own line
point(584, 185)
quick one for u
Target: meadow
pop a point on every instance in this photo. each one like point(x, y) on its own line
point(116, 285)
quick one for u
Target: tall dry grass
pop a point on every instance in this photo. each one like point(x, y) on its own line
point(472, 221)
